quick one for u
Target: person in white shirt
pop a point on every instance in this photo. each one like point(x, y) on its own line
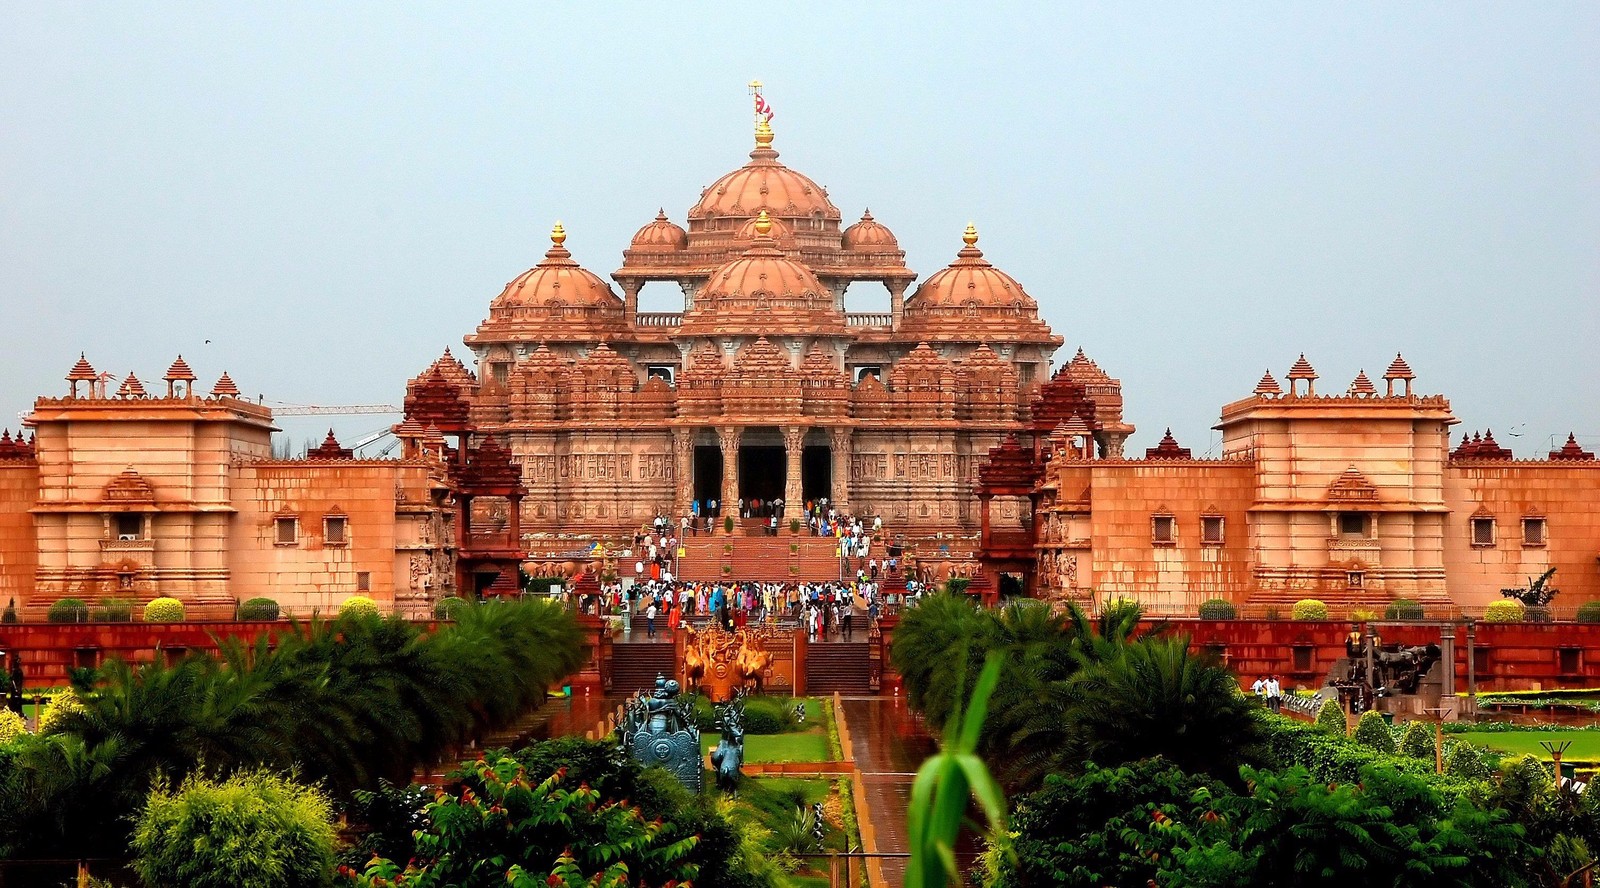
point(650, 620)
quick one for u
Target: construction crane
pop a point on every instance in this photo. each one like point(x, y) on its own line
point(283, 409)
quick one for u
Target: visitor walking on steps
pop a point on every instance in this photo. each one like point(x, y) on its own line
point(650, 620)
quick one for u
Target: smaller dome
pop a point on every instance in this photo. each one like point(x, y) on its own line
point(870, 236)
point(970, 280)
point(557, 281)
point(661, 236)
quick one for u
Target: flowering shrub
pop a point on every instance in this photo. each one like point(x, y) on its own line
point(57, 709)
point(163, 610)
point(1309, 609)
point(1504, 611)
point(358, 606)
point(11, 726)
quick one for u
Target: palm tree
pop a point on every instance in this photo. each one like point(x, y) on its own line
point(1155, 697)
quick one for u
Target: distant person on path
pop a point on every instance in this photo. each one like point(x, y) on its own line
point(650, 620)
point(1274, 693)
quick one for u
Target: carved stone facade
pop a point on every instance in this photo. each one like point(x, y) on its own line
point(763, 387)
point(1356, 499)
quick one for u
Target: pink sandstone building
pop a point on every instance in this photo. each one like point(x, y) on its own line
point(585, 417)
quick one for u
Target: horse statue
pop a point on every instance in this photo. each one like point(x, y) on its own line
point(727, 757)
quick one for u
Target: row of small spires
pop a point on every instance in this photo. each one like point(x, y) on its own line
point(1476, 445)
point(131, 387)
point(15, 448)
point(1361, 386)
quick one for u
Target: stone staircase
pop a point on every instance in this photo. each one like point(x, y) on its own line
point(634, 666)
point(842, 666)
point(779, 559)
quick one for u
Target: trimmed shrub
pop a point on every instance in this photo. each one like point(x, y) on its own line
point(10, 616)
point(358, 606)
point(541, 585)
point(448, 607)
point(1218, 609)
point(1589, 612)
point(264, 609)
point(57, 709)
point(11, 726)
point(68, 610)
point(1309, 609)
point(1417, 741)
point(727, 524)
point(163, 610)
point(1330, 718)
point(1504, 611)
point(956, 585)
point(765, 715)
point(253, 830)
point(1538, 613)
point(114, 610)
point(1373, 733)
point(794, 525)
point(1403, 609)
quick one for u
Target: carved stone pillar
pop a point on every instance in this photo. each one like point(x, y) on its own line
point(729, 438)
point(983, 520)
point(630, 301)
point(794, 442)
point(897, 301)
point(839, 438)
point(682, 469)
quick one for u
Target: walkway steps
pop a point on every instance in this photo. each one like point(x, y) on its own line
point(842, 667)
point(634, 666)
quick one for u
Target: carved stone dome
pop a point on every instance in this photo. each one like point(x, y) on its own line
point(660, 236)
point(557, 282)
point(870, 236)
point(971, 280)
point(764, 184)
point(761, 288)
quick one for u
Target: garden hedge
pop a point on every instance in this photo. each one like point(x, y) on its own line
point(1417, 741)
point(1218, 609)
point(1373, 732)
point(1589, 612)
point(1404, 609)
point(68, 610)
point(259, 609)
point(1331, 718)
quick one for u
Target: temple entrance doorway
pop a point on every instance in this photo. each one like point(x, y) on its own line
point(816, 472)
point(761, 474)
point(707, 474)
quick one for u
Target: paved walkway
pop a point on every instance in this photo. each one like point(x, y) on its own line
point(889, 744)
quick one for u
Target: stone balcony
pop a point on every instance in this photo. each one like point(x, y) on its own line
point(1354, 549)
point(140, 551)
point(868, 319)
point(659, 318)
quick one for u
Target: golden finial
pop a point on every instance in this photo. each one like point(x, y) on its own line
point(763, 224)
point(558, 235)
point(763, 135)
point(970, 236)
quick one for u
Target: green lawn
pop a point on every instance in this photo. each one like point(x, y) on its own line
point(807, 747)
point(1585, 744)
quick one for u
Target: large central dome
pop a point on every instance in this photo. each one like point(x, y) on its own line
point(764, 184)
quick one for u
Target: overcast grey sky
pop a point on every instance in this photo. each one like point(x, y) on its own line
point(1193, 194)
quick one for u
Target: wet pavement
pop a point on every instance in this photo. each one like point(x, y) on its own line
point(890, 743)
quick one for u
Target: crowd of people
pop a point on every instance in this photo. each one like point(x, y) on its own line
point(827, 611)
